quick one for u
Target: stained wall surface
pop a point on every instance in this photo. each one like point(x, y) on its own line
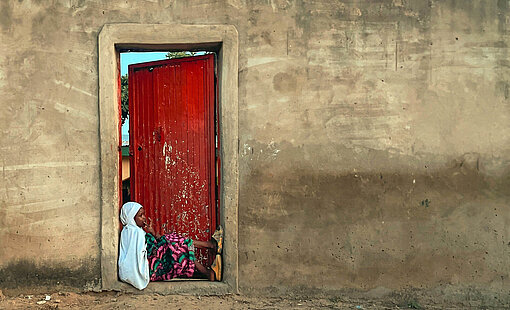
point(374, 140)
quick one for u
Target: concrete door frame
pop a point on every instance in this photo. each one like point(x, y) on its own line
point(224, 40)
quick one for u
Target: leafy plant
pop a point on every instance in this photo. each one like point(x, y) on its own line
point(173, 55)
point(124, 98)
point(413, 304)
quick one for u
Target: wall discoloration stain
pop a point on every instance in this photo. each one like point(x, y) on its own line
point(27, 273)
point(368, 228)
point(365, 230)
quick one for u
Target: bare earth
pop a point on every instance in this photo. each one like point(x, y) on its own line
point(115, 300)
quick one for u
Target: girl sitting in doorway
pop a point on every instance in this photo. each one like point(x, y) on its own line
point(145, 256)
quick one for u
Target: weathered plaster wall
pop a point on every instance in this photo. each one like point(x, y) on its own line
point(374, 139)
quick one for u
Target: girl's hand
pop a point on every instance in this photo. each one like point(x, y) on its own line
point(151, 231)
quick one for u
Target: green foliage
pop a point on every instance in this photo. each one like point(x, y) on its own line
point(413, 304)
point(173, 55)
point(124, 98)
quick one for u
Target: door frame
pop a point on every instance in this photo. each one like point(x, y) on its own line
point(222, 39)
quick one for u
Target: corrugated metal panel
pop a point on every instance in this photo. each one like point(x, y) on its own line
point(172, 139)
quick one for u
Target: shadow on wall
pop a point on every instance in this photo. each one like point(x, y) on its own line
point(420, 227)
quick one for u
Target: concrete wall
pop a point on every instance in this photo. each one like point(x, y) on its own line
point(374, 140)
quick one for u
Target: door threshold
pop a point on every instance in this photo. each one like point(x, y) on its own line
point(184, 280)
point(179, 287)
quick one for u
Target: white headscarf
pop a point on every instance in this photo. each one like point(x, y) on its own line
point(133, 264)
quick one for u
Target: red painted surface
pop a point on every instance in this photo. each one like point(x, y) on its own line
point(172, 139)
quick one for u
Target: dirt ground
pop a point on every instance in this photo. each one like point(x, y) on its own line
point(116, 300)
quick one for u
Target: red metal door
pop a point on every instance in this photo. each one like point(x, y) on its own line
point(172, 140)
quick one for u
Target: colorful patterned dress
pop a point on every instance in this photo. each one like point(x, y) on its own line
point(171, 256)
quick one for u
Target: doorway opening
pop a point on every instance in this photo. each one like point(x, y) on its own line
point(170, 141)
point(116, 38)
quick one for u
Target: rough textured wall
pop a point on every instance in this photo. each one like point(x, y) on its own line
point(374, 139)
point(375, 145)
